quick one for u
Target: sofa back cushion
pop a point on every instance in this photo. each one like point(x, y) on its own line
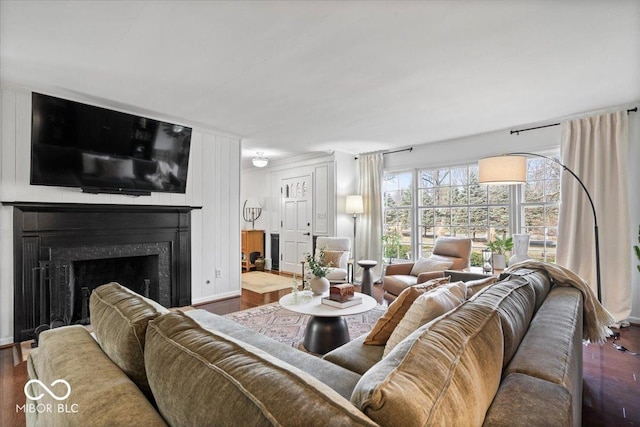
point(202, 377)
point(447, 371)
point(515, 301)
point(119, 318)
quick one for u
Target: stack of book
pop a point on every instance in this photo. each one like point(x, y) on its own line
point(341, 296)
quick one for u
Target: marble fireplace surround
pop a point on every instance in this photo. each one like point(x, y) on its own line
point(67, 233)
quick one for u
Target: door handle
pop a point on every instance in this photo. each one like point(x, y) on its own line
point(306, 234)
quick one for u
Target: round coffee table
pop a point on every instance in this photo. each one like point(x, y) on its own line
point(327, 328)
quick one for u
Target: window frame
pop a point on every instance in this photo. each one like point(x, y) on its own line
point(516, 204)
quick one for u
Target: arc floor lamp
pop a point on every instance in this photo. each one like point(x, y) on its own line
point(511, 168)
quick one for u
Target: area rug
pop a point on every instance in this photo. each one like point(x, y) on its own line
point(262, 283)
point(288, 327)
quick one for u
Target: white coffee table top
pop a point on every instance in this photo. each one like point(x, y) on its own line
point(316, 308)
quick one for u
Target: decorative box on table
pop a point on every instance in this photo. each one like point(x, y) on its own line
point(341, 293)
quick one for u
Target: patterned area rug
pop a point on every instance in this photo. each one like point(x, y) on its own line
point(288, 327)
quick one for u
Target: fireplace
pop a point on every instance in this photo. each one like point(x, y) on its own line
point(62, 252)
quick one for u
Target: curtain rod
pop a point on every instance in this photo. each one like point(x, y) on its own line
point(517, 132)
point(392, 152)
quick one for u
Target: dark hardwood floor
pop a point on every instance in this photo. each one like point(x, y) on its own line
point(611, 389)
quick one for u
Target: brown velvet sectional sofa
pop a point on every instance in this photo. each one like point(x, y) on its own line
point(510, 355)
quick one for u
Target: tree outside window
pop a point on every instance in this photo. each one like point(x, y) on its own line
point(449, 201)
point(398, 215)
point(540, 206)
point(453, 203)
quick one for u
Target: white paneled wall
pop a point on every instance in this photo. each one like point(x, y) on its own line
point(213, 184)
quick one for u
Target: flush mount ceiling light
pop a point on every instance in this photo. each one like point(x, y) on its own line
point(260, 160)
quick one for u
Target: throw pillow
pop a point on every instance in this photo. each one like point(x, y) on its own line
point(423, 265)
point(475, 286)
point(445, 373)
point(386, 324)
point(332, 258)
point(424, 309)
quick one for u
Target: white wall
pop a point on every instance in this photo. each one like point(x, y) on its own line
point(470, 149)
point(213, 183)
point(634, 206)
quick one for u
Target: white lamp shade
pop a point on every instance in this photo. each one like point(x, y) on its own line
point(354, 204)
point(502, 170)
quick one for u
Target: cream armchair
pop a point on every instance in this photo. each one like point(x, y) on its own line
point(449, 253)
point(337, 251)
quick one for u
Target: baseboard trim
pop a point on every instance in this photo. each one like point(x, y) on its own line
point(204, 300)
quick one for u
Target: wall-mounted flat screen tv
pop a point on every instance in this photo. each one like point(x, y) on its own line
point(100, 150)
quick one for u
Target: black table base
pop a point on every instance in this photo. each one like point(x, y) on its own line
point(324, 334)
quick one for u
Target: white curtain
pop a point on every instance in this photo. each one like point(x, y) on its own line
point(595, 148)
point(369, 226)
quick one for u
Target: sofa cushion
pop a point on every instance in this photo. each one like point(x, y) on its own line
point(336, 274)
point(558, 354)
point(102, 394)
point(397, 283)
point(338, 378)
point(515, 301)
point(386, 324)
point(424, 265)
point(475, 286)
point(235, 384)
point(447, 370)
point(119, 318)
point(425, 308)
point(532, 401)
point(356, 356)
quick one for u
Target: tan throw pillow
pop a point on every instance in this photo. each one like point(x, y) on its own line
point(446, 373)
point(423, 265)
point(424, 309)
point(332, 258)
point(475, 286)
point(386, 324)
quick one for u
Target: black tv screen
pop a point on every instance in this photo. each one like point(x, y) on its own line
point(100, 150)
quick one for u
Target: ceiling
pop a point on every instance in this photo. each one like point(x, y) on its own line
point(297, 77)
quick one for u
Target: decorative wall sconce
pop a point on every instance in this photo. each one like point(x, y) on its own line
point(251, 210)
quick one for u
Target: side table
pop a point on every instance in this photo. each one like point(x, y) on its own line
point(367, 278)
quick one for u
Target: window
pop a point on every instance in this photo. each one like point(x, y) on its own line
point(540, 200)
point(452, 203)
point(398, 215)
point(448, 201)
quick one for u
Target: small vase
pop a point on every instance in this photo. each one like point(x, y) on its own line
point(499, 261)
point(319, 285)
point(520, 248)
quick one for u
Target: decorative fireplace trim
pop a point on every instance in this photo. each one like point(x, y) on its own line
point(42, 230)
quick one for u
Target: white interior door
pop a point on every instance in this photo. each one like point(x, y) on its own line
point(296, 215)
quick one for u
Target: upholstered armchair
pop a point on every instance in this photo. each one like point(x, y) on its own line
point(449, 253)
point(337, 251)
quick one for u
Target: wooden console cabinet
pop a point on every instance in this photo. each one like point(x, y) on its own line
point(252, 241)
